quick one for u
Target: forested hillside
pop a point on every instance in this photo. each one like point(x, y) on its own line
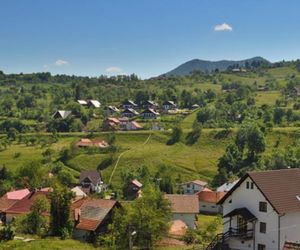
point(226, 123)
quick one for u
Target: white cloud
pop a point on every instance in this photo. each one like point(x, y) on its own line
point(61, 62)
point(223, 27)
point(114, 70)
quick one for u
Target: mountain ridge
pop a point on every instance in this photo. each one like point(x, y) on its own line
point(206, 65)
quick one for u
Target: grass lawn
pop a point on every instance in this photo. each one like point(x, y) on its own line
point(49, 244)
point(267, 97)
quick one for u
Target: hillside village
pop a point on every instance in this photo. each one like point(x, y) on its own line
point(215, 161)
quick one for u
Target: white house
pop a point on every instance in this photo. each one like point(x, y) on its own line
point(169, 105)
point(193, 187)
point(184, 208)
point(91, 181)
point(262, 211)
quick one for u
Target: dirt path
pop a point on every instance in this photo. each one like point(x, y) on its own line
point(119, 157)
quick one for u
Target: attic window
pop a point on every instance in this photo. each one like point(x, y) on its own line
point(298, 197)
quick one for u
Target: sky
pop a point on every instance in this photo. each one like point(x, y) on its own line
point(146, 37)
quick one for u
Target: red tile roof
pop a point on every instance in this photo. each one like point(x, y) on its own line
point(17, 194)
point(187, 204)
point(280, 187)
point(23, 206)
point(210, 196)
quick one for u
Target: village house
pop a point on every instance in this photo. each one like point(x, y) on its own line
point(128, 104)
point(133, 190)
point(91, 181)
point(93, 103)
point(61, 114)
point(23, 206)
point(9, 199)
point(92, 216)
point(129, 112)
point(193, 187)
point(208, 201)
point(149, 114)
point(111, 110)
point(86, 143)
point(111, 123)
point(184, 208)
point(169, 105)
point(133, 125)
point(150, 105)
point(262, 211)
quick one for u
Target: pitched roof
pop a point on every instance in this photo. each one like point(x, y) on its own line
point(152, 111)
point(227, 186)
point(78, 192)
point(169, 103)
point(62, 113)
point(112, 108)
point(82, 102)
point(92, 175)
point(136, 124)
point(244, 212)
point(84, 142)
point(198, 182)
point(23, 206)
point(114, 120)
point(17, 194)
point(95, 103)
point(6, 203)
point(136, 183)
point(291, 246)
point(129, 110)
point(280, 187)
point(129, 102)
point(183, 203)
point(92, 212)
point(210, 196)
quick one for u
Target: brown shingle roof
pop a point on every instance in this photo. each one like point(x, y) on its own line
point(280, 188)
point(6, 203)
point(93, 175)
point(187, 204)
point(198, 182)
point(92, 212)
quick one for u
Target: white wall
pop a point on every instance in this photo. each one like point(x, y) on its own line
point(209, 207)
point(188, 219)
point(192, 189)
point(250, 199)
point(290, 228)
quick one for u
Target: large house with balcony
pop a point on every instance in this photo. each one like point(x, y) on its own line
point(261, 212)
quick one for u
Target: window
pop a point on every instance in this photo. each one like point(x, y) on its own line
point(252, 185)
point(247, 184)
point(262, 206)
point(262, 227)
point(187, 185)
point(261, 247)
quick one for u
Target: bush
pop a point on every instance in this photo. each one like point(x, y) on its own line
point(175, 136)
point(6, 233)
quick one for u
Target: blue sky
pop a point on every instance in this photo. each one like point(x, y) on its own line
point(146, 37)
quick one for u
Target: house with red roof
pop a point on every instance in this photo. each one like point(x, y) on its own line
point(92, 216)
point(9, 199)
point(208, 201)
point(23, 206)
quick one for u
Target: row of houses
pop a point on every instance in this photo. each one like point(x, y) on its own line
point(122, 123)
